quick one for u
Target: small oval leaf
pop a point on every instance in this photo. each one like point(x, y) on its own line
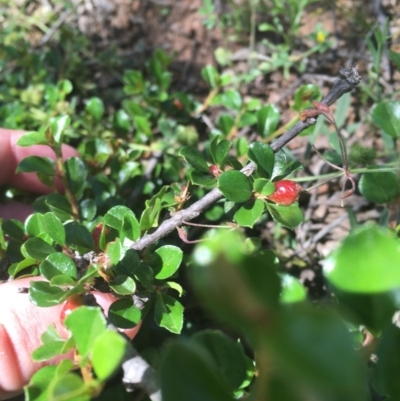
point(194, 158)
point(235, 186)
point(166, 261)
point(367, 261)
point(379, 187)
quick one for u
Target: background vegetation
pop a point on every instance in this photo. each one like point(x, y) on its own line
point(175, 109)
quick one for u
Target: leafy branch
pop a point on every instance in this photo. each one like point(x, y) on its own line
point(349, 79)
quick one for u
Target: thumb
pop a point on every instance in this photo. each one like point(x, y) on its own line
point(21, 326)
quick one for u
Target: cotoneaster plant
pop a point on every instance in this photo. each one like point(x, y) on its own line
point(119, 247)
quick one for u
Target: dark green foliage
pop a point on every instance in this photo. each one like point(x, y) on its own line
point(145, 161)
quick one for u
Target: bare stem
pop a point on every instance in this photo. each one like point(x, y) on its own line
point(63, 177)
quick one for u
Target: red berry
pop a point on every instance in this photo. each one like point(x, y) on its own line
point(287, 192)
point(70, 304)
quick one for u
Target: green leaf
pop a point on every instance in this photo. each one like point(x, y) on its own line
point(124, 314)
point(32, 138)
point(372, 310)
point(168, 313)
point(65, 86)
point(87, 209)
point(107, 354)
point(38, 387)
point(93, 322)
point(95, 107)
point(42, 294)
point(149, 217)
point(57, 128)
point(76, 173)
point(221, 151)
point(263, 156)
point(36, 248)
point(129, 264)
point(280, 164)
point(194, 375)
point(60, 206)
point(386, 115)
point(130, 228)
point(194, 158)
point(54, 228)
point(228, 356)
point(314, 352)
point(122, 120)
point(13, 229)
point(264, 186)
point(115, 216)
point(235, 186)
point(142, 125)
point(367, 261)
point(387, 370)
point(78, 235)
point(18, 267)
point(133, 82)
point(58, 264)
point(204, 180)
point(51, 334)
point(213, 147)
point(165, 261)
point(222, 269)
point(47, 351)
point(37, 164)
point(69, 387)
point(379, 187)
point(292, 290)
point(267, 120)
point(289, 216)
point(248, 214)
point(34, 226)
point(174, 286)
point(115, 251)
point(304, 95)
point(241, 146)
point(211, 76)
point(231, 99)
point(247, 119)
point(62, 280)
point(123, 285)
point(225, 123)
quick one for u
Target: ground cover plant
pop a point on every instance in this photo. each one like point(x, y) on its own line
point(196, 207)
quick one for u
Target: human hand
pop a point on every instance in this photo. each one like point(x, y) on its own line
point(21, 322)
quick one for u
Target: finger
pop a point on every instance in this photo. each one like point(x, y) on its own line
point(21, 326)
point(11, 154)
point(15, 210)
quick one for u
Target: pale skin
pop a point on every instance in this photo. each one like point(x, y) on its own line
point(22, 323)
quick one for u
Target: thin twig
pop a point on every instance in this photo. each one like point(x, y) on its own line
point(63, 17)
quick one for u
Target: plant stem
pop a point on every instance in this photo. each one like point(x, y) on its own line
point(62, 175)
point(207, 101)
point(281, 130)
